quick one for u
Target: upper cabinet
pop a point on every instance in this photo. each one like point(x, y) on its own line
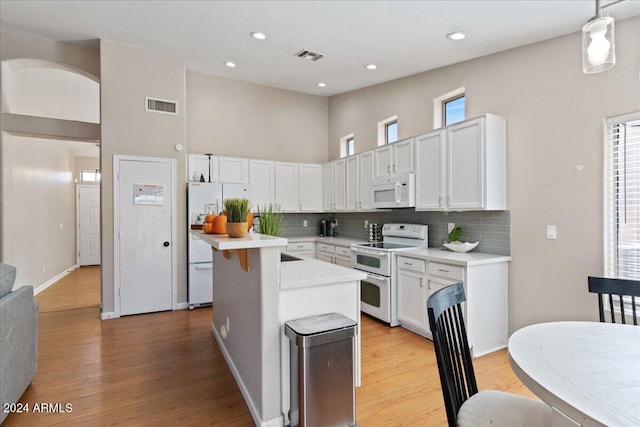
point(310, 187)
point(395, 158)
point(199, 167)
point(298, 187)
point(359, 174)
point(262, 181)
point(234, 170)
point(463, 166)
point(329, 184)
point(352, 186)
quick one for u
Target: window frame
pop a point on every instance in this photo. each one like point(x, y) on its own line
point(438, 104)
point(610, 203)
point(444, 109)
point(382, 130)
point(344, 145)
point(96, 174)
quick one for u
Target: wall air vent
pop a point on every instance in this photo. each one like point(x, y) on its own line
point(309, 54)
point(164, 106)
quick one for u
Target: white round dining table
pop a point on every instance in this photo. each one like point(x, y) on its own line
point(588, 372)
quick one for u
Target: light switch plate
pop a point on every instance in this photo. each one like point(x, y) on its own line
point(450, 227)
point(551, 232)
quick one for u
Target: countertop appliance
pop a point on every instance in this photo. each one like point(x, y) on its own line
point(200, 197)
point(395, 191)
point(379, 291)
point(328, 227)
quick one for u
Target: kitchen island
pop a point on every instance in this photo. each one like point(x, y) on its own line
point(254, 294)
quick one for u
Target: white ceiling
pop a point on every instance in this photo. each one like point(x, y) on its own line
point(401, 37)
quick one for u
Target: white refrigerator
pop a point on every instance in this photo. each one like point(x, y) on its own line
point(199, 196)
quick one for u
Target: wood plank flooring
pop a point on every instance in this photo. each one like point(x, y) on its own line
point(166, 369)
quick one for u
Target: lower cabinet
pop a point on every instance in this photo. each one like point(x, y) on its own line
point(334, 254)
point(413, 294)
point(485, 310)
point(307, 249)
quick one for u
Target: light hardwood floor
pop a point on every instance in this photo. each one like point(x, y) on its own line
point(166, 369)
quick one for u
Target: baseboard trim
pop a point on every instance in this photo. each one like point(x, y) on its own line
point(108, 315)
point(53, 280)
point(243, 389)
point(181, 306)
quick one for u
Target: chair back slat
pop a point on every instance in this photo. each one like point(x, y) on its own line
point(622, 290)
point(453, 356)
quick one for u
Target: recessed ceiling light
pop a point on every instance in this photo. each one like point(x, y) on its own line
point(371, 66)
point(322, 84)
point(258, 35)
point(230, 64)
point(457, 35)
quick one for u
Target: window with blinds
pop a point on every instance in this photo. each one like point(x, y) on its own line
point(622, 189)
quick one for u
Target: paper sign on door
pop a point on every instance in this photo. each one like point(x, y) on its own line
point(148, 194)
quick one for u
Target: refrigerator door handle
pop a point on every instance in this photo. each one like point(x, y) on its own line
point(204, 267)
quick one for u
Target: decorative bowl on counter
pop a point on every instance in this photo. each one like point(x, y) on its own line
point(460, 246)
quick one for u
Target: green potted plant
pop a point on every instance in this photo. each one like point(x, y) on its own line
point(237, 210)
point(270, 219)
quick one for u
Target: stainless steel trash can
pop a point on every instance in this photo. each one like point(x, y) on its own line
point(322, 378)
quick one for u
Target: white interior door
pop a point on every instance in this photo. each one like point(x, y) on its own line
point(145, 233)
point(88, 218)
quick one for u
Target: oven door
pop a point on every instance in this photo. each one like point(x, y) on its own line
point(371, 261)
point(375, 296)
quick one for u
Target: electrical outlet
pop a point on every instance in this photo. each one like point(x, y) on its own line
point(450, 227)
point(366, 223)
point(304, 223)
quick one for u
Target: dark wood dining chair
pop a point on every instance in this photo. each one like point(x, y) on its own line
point(466, 406)
point(619, 294)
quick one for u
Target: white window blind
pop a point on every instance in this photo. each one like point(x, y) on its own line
point(622, 190)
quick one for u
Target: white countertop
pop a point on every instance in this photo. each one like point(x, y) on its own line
point(251, 240)
point(313, 272)
point(338, 241)
point(455, 258)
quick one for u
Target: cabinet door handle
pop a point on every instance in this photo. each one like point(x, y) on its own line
point(408, 263)
point(300, 206)
point(443, 270)
point(394, 168)
point(421, 283)
point(440, 201)
point(448, 200)
point(300, 246)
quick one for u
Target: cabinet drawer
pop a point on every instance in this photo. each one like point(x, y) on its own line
point(327, 249)
point(454, 272)
point(300, 246)
point(412, 264)
point(343, 252)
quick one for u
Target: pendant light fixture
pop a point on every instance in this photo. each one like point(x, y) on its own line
point(598, 43)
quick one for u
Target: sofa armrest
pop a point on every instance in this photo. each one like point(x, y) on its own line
point(18, 344)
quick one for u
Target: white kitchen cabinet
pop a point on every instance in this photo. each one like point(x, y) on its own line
point(463, 166)
point(395, 158)
point(339, 170)
point(329, 184)
point(307, 249)
point(366, 169)
point(352, 185)
point(412, 294)
point(233, 170)
point(262, 181)
point(334, 254)
point(286, 186)
point(198, 165)
point(310, 187)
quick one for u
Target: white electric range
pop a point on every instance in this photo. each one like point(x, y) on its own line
point(379, 292)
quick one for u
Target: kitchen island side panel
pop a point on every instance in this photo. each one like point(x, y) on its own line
point(245, 309)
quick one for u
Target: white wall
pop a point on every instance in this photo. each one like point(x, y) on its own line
point(554, 154)
point(39, 196)
point(234, 118)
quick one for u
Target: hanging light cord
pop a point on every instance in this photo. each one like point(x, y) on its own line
point(607, 5)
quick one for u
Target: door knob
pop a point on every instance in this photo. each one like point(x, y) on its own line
point(165, 244)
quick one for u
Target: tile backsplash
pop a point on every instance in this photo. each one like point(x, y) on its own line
point(491, 228)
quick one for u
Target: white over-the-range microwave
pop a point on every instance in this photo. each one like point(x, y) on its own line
point(394, 191)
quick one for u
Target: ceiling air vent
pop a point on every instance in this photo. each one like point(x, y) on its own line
point(156, 105)
point(309, 54)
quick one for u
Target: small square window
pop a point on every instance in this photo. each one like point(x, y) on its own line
point(454, 110)
point(351, 146)
point(90, 176)
point(391, 132)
